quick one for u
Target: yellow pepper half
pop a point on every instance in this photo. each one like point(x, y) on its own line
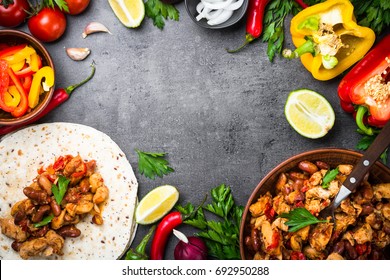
point(328, 39)
point(46, 73)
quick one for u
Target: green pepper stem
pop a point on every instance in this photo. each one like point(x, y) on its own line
point(71, 88)
point(139, 252)
point(307, 47)
point(360, 113)
point(248, 38)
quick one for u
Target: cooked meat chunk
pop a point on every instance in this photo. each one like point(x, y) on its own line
point(335, 256)
point(280, 205)
point(317, 193)
point(382, 191)
point(386, 211)
point(257, 209)
point(342, 221)
point(50, 244)
point(345, 169)
point(320, 236)
point(11, 230)
point(363, 234)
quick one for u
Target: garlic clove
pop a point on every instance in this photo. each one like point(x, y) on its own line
point(94, 27)
point(78, 53)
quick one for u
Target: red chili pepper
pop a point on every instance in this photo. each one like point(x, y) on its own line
point(254, 22)
point(361, 84)
point(164, 230)
point(59, 97)
point(374, 122)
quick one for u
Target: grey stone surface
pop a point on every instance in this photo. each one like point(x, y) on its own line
point(219, 116)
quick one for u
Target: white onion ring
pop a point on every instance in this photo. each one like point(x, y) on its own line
point(226, 14)
point(217, 11)
point(216, 6)
point(235, 5)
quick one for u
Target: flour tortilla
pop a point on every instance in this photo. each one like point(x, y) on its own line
point(25, 151)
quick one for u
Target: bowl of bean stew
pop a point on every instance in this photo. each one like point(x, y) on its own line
point(296, 190)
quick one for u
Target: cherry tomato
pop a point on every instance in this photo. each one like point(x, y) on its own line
point(77, 6)
point(47, 25)
point(14, 14)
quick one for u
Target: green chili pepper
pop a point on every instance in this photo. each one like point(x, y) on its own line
point(139, 252)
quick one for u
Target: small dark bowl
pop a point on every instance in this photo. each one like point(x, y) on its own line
point(15, 37)
point(379, 173)
point(236, 17)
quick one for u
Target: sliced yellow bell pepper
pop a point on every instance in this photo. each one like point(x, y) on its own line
point(12, 97)
point(18, 66)
point(328, 39)
point(46, 73)
point(34, 62)
point(22, 55)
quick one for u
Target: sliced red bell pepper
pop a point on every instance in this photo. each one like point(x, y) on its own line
point(368, 83)
point(26, 82)
point(23, 105)
point(4, 83)
point(11, 50)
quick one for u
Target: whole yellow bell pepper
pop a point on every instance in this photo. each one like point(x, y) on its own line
point(328, 39)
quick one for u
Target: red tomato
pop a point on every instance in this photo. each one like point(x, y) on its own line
point(48, 25)
point(77, 6)
point(14, 14)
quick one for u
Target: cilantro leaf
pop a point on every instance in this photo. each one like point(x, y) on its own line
point(221, 234)
point(300, 218)
point(60, 190)
point(46, 220)
point(159, 12)
point(330, 175)
point(152, 164)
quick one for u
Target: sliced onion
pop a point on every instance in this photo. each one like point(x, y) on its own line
point(218, 5)
point(235, 5)
point(226, 14)
point(217, 11)
point(199, 7)
point(213, 14)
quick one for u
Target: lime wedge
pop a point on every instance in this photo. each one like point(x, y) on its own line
point(309, 113)
point(129, 12)
point(156, 204)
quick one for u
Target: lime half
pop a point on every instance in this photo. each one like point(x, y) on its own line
point(129, 12)
point(309, 113)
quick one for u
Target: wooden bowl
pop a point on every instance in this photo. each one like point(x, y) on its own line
point(15, 37)
point(379, 173)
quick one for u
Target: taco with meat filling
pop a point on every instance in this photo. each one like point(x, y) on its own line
point(67, 191)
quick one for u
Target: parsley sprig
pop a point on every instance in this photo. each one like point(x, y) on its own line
point(159, 12)
point(221, 234)
point(300, 218)
point(153, 164)
point(275, 14)
point(60, 189)
point(330, 175)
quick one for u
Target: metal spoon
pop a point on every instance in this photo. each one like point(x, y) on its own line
point(381, 142)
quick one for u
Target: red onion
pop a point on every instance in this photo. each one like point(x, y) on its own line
point(189, 248)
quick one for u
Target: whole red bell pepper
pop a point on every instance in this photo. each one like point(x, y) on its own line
point(367, 85)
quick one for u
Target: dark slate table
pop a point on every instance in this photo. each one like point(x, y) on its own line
point(219, 116)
